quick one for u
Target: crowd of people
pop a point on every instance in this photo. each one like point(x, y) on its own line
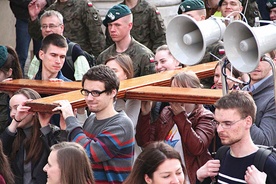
point(129, 141)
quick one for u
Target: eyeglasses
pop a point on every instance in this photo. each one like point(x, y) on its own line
point(51, 26)
point(94, 93)
point(226, 124)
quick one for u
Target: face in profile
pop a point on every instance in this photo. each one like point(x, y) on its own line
point(52, 169)
point(170, 171)
point(165, 61)
point(272, 14)
point(262, 71)
point(117, 69)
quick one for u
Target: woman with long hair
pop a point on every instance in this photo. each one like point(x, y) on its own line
point(68, 163)
point(159, 163)
point(27, 140)
point(122, 65)
point(9, 69)
point(6, 175)
point(189, 128)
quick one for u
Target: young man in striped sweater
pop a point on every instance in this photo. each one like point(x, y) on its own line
point(107, 135)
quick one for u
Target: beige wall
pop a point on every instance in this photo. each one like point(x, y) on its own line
point(7, 22)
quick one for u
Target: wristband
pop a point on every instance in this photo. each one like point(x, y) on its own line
point(17, 120)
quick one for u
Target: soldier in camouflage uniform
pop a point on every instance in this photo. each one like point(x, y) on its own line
point(82, 23)
point(148, 25)
point(118, 20)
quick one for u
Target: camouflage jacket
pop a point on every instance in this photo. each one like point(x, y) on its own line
point(141, 56)
point(82, 24)
point(251, 11)
point(148, 26)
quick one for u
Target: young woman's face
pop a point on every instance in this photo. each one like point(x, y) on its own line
point(168, 172)
point(164, 61)
point(15, 101)
point(117, 69)
point(218, 81)
point(52, 169)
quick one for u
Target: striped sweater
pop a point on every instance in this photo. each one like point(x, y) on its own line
point(109, 144)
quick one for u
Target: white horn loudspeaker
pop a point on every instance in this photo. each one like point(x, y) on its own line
point(187, 38)
point(245, 45)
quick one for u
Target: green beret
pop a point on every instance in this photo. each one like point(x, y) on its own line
point(189, 5)
point(116, 12)
point(3, 55)
point(221, 1)
point(271, 4)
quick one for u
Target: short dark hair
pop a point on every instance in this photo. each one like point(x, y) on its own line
point(242, 101)
point(103, 74)
point(54, 39)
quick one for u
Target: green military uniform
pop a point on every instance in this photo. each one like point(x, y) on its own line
point(82, 24)
point(148, 26)
point(251, 12)
point(142, 57)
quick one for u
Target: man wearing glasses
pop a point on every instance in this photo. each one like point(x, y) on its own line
point(51, 21)
point(234, 116)
point(107, 135)
point(81, 20)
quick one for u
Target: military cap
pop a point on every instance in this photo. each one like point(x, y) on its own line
point(116, 12)
point(3, 55)
point(271, 4)
point(190, 5)
point(221, 1)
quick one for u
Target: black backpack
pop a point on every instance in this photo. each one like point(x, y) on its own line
point(259, 160)
point(90, 58)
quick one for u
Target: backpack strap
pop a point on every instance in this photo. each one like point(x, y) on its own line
point(69, 58)
point(261, 157)
point(221, 152)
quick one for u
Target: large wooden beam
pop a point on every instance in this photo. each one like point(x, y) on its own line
point(147, 93)
point(41, 86)
point(158, 79)
point(174, 94)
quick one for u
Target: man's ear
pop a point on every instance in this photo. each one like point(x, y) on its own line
point(241, 8)
point(41, 54)
point(130, 25)
point(148, 180)
point(62, 28)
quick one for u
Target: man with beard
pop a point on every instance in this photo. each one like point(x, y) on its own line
point(234, 116)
